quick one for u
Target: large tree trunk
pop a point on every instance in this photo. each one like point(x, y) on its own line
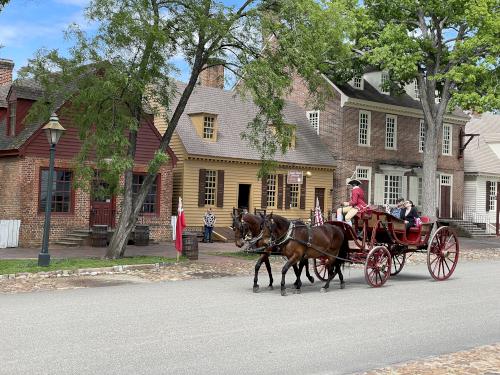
point(429, 203)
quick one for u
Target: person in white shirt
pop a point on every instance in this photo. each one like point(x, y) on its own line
point(209, 222)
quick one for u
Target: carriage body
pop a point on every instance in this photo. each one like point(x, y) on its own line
point(382, 243)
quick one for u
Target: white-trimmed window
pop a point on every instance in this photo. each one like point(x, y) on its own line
point(208, 127)
point(391, 132)
point(365, 174)
point(446, 179)
point(364, 128)
point(357, 83)
point(294, 195)
point(393, 187)
point(446, 150)
point(271, 190)
point(384, 80)
point(493, 196)
point(415, 89)
point(313, 117)
point(421, 137)
point(210, 187)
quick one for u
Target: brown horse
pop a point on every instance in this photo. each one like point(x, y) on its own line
point(298, 241)
point(248, 229)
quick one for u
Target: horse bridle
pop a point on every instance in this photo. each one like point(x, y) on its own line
point(245, 233)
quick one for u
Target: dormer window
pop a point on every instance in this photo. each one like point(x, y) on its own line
point(12, 118)
point(357, 83)
point(415, 89)
point(313, 117)
point(208, 127)
point(384, 82)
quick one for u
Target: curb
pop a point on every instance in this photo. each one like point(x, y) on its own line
point(85, 271)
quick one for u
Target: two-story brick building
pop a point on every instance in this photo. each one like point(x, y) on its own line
point(378, 138)
point(24, 161)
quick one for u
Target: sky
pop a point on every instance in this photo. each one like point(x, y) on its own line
point(28, 25)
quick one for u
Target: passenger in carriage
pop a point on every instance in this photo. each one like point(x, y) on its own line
point(409, 214)
point(355, 205)
point(397, 210)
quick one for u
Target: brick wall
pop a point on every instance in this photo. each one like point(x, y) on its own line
point(19, 194)
point(212, 77)
point(6, 67)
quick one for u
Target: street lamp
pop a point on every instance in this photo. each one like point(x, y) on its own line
point(53, 130)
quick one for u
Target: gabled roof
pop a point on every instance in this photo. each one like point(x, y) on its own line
point(371, 94)
point(479, 156)
point(233, 115)
point(4, 91)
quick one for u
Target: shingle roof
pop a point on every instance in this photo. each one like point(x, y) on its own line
point(479, 156)
point(371, 94)
point(233, 115)
point(4, 90)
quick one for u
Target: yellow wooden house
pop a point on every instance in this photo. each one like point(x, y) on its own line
point(217, 169)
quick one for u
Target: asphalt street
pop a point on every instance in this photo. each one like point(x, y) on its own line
point(218, 326)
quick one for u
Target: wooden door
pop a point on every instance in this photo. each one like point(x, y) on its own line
point(445, 206)
point(102, 206)
point(320, 194)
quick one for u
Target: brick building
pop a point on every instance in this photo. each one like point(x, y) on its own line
point(378, 138)
point(24, 160)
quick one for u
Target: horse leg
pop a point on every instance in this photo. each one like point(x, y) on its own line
point(297, 273)
point(308, 275)
point(341, 276)
point(257, 267)
point(285, 269)
point(331, 275)
point(268, 266)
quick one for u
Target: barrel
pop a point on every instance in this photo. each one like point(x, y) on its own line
point(141, 235)
point(99, 235)
point(190, 245)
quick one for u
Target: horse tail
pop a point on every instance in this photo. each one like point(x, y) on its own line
point(344, 251)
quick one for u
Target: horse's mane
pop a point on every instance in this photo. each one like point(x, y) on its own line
point(281, 220)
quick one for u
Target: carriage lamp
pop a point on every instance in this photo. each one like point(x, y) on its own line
point(54, 131)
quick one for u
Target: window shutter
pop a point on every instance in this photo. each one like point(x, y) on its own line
point(379, 189)
point(201, 187)
point(280, 192)
point(488, 193)
point(287, 195)
point(413, 193)
point(404, 188)
point(263, 195)
point(220, 188)
point(302, 204)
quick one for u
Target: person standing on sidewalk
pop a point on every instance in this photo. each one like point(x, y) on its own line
point(209, 222)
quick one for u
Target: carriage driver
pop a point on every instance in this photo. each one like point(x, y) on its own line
point(356, 204)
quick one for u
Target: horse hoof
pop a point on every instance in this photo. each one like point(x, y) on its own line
point(283, 292)
point(311, 279)
point(270, 287)
point(297, 291)
point(323, 290)
point(342, 285)
point(256, 289)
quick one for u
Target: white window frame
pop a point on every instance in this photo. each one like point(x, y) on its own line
point(447, 143)
point(210, 187)
point(387, 193)
point(313, 117)
point(493, 196)
point(294, 195)
point(359, 176)
point(357, 82)
point(421, 135)
point(368, 128)
point(383, 79)
point(394, 119)
point(271, 191)
point(208, 127)
point(415, 89)
point(448, 181)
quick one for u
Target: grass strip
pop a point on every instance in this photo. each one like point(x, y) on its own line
point(9, 266)
point(237, 254)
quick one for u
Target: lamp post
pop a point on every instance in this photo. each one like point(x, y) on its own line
point(53, 130)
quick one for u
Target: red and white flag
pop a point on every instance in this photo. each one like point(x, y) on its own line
point(318, 217)
point(181, 224)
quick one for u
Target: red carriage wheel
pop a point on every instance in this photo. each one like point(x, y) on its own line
point(398, 262)
point(320, 268)
point(378, 266)
point(442, 254)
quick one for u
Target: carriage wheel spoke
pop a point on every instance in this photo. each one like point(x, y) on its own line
point(445, 261)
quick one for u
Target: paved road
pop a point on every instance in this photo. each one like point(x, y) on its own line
point(218, 326)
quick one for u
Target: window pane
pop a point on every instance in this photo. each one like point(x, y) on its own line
point(61, 190)
point(271, 190)
point(294, 195)
point(210, 178)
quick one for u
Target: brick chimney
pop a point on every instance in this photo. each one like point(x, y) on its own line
point(213, 76)
point(6, 67)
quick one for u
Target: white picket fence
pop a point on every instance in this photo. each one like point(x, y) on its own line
point(9, 233)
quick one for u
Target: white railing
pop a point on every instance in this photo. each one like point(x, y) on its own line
point(9, 233)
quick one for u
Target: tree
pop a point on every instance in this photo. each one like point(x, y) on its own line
point(128, 65)
point(451, 48)
point(3, 3)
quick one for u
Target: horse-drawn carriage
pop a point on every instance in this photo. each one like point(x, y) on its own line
point(382, 243)
point(376, 239)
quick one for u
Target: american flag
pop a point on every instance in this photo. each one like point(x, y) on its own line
point(318, 217)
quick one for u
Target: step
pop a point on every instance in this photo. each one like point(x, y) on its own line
point(79, 235)
point(73, 238)
point(67, 243)
point(82, 231)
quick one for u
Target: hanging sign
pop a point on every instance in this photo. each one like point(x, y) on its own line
point(294, 177)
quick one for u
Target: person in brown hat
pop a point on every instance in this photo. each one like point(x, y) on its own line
point(357, 203)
